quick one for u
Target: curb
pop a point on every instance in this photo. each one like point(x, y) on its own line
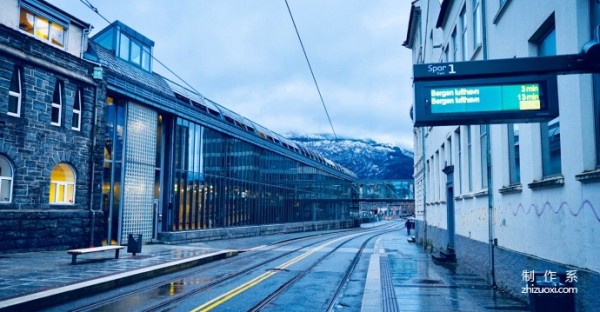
point(62, 294)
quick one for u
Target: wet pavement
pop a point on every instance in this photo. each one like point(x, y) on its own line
point(420, 285)
point(401, 275)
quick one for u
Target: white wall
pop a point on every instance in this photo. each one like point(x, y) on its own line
point(559, 223)
point(9, 15)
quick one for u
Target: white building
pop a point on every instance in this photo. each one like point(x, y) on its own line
point(544, 211)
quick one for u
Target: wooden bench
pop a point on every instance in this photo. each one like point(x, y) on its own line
point(75, 252)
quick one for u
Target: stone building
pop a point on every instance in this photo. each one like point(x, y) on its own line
point(47, 110)
point(92, 138)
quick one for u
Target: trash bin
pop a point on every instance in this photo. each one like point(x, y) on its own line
point(551, 295)
point(134, 243)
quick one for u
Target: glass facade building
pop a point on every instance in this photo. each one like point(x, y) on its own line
point(178, 175)
point(175, 161)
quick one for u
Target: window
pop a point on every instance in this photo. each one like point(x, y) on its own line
point(597, 116)
point(14, 94)
point(146, 58)
point(454, 45)
point(57, 105)
point(124, 47)
point(459, 159)
point(436, 175)
point(42, 28)
point(76, 119)
point(446, 53)
point(514, 157)
point(429, 182)
point(550, 131)
point(483, 139)
point(134, 52)
point(469, 160)
point(449, 152)
point(477, 24)
point(62, 185)
point(463, 34)
point(594, 32)
point(6, 178)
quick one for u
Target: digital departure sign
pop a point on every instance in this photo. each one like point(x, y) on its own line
point(485, 101)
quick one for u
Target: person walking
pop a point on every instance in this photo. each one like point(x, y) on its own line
point(408, 225)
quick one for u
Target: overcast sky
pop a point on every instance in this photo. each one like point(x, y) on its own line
point(244, 55)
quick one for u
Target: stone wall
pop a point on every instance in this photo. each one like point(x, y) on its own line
point(34, 146)
point(249, 231)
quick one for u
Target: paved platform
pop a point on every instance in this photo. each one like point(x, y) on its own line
point(401, 275)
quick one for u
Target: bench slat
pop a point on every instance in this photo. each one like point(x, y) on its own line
point(75, 252)
point(94, 249)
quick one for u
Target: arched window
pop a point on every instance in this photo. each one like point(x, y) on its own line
point(6, 179)
point(62, 185)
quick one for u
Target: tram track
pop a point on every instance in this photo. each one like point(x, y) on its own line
point(256, 253)
point(349, 270)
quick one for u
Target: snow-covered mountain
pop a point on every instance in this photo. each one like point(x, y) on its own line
point(370, 160)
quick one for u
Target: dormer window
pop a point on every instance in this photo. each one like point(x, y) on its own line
point(42, 28)
point(134, 51)
point(126, 44)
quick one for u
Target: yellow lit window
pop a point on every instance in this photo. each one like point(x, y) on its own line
point(62, 185)
point(57, 35)
point(42, 28)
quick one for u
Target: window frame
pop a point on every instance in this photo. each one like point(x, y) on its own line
point(143, 55)
point(12, 93)
point(58, 88)
point(459, 161)
point(77, 111)
point(469, 159)
point(453, 37)
point(8, 178)
point(596, 90)
point(477, 24)
point(546, 48)
point(483, 142)
point(514, 162)
point(50, 26)
point(65, 187)
point(464, 36)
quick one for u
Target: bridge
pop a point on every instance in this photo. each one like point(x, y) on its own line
point(390, 198)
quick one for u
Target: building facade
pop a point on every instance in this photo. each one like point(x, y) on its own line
point(533, 204)
point(47, 107)
point(92, 138)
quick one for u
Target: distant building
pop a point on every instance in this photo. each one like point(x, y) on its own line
point(545, 183)
point(385, 197)
point(94, 146)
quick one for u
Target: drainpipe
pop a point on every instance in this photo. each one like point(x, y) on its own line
point(93, 134)
point(84, 39)
point(489, 160)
